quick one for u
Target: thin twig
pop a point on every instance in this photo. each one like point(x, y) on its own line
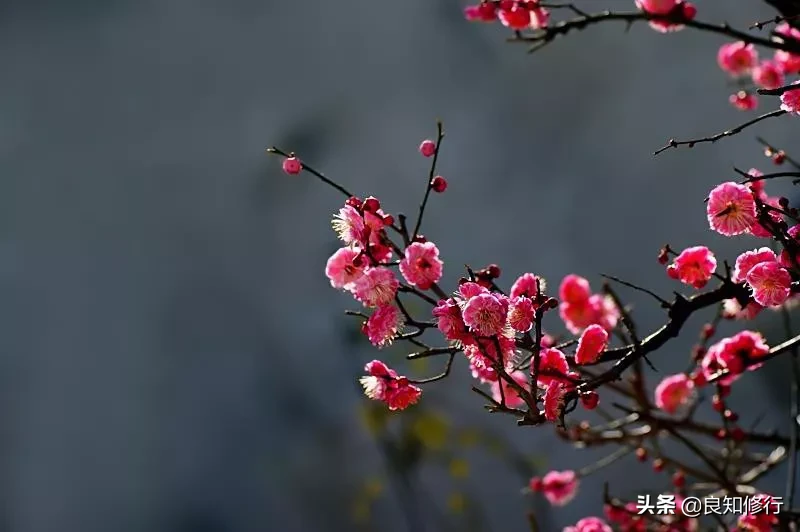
point(749, 178)
point(431, 175)
point(442, 375)
point(777, 19)
point(432, 352)
point(664, 303)
point(319, 175)
point(544, 36)
point(727, 133)
point(779, 90)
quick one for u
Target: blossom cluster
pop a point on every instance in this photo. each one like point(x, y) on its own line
point(736, 209)
point(667, 15)
point(500, 334)
point(542, 376)
point(741, 61)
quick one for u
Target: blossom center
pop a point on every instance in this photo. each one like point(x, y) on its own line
point(730, 210)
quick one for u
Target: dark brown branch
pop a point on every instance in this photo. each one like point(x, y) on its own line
point(752, 178)
point(779, 90)
point(431, 175)
point(524, 418)
point(664, 303)
point(777, 19)
point(714, 138)
point(418, 293)
point(680, 310)
point(432, 352)
point(442, 375)
point(408, 318)
point(319, 175)
point(774, 352)
point(546, 35)
point(789, 10)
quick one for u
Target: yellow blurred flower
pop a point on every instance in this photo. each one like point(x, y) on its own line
point(459, 468)
point(431, 429)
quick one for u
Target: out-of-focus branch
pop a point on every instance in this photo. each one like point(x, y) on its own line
point(789, 11)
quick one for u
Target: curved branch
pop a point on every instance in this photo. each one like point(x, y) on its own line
point(546, 35)
point(727, 133)
point(680, 311)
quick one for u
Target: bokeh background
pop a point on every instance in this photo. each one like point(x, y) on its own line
point(173, 358)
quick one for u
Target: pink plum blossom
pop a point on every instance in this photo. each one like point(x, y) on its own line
point(593, 341)
point(605, 311)
point(341, 269)
point(714, 362)
point(485, 314)
point(748, 259)
point(383, 384)
point(376, 287)
point(449, 321)
point(480, 367)
point(657, 7)
point(732, 353)
point(383, 326)
point(732, 310)
point(790, 100)
point(553, 361)
point(349, 225)
point(574, 289)
point(554, 400)
point(737, 58)
point(743, 100)
point(483, 12)
point(421, 266)
point(673, 392)
point(768, 75)
point(687, 10)
point(694, 266)
point(770, 282)
point(469, 289)
point(524, 14)
point(525, 285)
point(731, 209)
point(482, 356)
point(598, 309)
point(520, 314)
point(560, 487)
point(788, 61)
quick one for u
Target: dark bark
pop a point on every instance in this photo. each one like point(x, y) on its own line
point(788, 9)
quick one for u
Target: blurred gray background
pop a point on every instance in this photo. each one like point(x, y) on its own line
point(173, 358)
